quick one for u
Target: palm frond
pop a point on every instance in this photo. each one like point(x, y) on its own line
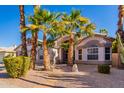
point(25, 29)
point(90, 28)
point(75, 14)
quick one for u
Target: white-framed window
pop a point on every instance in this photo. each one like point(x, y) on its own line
point(107, 53)
point(41, 57)
point(92, 53)
point(80, 54)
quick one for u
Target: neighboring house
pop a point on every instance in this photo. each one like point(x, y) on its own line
point(90, 50)
point(39, 55)
point(5, 51)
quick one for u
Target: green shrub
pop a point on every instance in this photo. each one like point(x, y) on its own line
point(104, 68)
point(17, 66)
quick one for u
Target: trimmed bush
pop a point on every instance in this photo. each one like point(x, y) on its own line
point(104, 68)
point(17, 66)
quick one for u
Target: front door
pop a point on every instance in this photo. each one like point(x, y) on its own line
point(65, 56)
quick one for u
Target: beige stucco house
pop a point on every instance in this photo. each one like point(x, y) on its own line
point(89, 50)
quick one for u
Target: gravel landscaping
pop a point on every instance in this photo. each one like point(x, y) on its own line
point(62, 77)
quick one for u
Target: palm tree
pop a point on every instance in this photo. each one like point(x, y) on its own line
point(34, 42)
point(43, 20)
point(33, 49)
point(23, 34)
point(103, 31)
point(34, 39)
point(75, 23)
point(46, 25)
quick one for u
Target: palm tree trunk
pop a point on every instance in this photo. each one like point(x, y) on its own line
point(70, 50)
point(23, 35)
point(33, 52)
point(46, 58)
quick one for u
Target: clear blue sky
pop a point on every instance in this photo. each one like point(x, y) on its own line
point(103, 16)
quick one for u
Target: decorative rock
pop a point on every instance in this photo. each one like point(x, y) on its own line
point(75, 68)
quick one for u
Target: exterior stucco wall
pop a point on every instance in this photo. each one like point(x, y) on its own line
point(101, 52)
point(84, 54)
point(76, 54)
point(115, 60)
point(60, 54)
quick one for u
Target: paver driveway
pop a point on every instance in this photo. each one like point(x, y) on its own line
point(62, 77)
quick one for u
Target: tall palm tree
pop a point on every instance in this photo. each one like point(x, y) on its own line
point(47, 19)
point(33, 50)
point(75, 23)
point(23, 34)
point(34, 41)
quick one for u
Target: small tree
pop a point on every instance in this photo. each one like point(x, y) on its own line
point(114, 46)
point(120, 48)
point(104, 31)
